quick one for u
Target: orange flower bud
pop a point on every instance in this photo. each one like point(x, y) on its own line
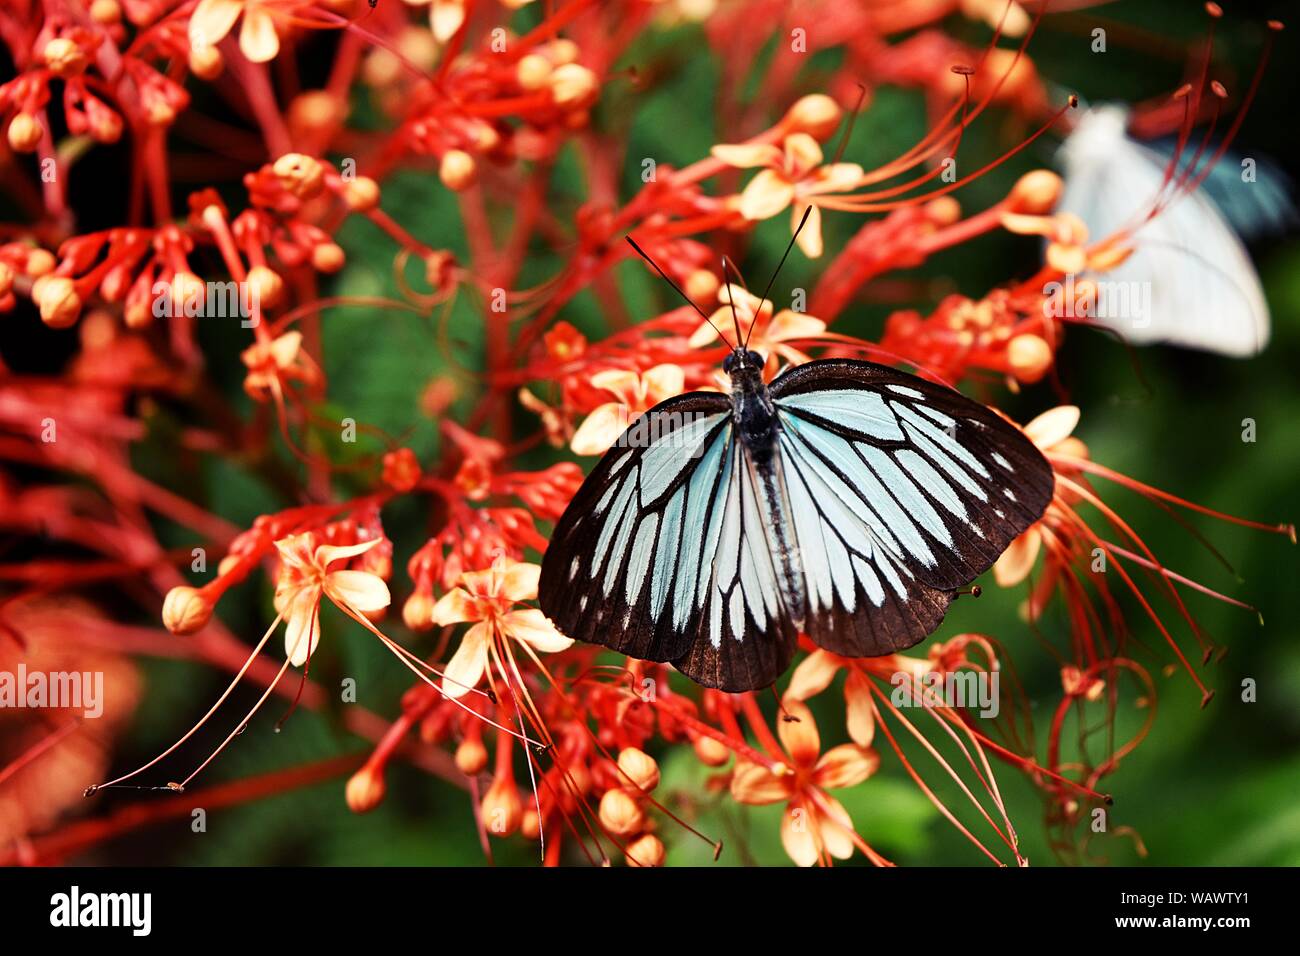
point(457, 169)
point(57, 298)
point(1029, 356)
point(315, 111)
point(361, 194)
point(943, 211)
point(159, 112)
point(532, 71)
point(328, 257)
point(816, 114)
point(64, 57)
point(1036, 192)
point(40, 262)
point(639, 767)
point(702, 285)
point(712, 753)
point(186, 610)
point(471, 757)
point(645, 850)
point(106, 12)
point(573, 85)
point(562, 51)
point(501, 808)
point(365, 789)
point(299, 174)
point(417, 612)
point(6, 279)
point(206, 62)
point(24, 133)
point(620, 814)
point(530, 828)
point(265, 286)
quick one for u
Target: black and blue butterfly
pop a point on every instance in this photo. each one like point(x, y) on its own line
point(847, 501)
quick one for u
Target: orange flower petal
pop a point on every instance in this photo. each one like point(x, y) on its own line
point(327, 554)
point(445, 18)
point(802, 154)
point(295, 550)
point(1053, 426)
point(600, 429)
point(860, 713)
point(754, 784)
point(799, 834)
point(813, 675)
point(839, 178)
point(257, 37)
point(359, 590)
point(535, 629)
point(799, 737)
point(836, 831)
point(519, 581)
point(302, 633)
point(212, 20)
point(845, 766)
point(1018, 560)
point(810, 237)
point(747, 156)
point(284, 349)
point(663, 381)
point(766, 195)
point(455, 607)
point(466, 667)
point(789, 324)
point(1027, 225)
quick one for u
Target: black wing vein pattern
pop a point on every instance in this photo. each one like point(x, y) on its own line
point(893, 492)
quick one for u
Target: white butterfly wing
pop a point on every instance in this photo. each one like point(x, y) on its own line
point(900, 492)
point(662, 555)
point(1189, 281)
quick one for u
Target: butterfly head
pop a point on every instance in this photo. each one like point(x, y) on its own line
point(742, 359)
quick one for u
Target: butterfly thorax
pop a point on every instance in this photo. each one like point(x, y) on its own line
point(752, 409)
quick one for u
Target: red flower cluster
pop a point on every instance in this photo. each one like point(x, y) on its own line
point(555, 742)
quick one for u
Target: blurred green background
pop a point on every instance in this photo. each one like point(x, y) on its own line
point(1208, 787)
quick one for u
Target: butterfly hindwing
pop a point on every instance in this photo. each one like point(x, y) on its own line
point(656, 556)
point(899, 491)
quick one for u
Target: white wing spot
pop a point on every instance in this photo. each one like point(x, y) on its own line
point(904, 390)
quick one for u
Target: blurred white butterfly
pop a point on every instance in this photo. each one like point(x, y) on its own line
point(1189, 281)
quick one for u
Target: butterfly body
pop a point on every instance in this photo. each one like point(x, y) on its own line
point(846, 501)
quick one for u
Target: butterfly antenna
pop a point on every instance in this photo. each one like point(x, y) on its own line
point(853, 118)
point(798, 229)
point(729, 267)
point(689, 301)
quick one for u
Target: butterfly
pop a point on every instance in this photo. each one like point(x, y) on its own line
point(847, 501)
point(1204, 292)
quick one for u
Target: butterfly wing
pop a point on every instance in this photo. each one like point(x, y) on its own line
point(899, 491)
point(661, 555)
point(1204, 292)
